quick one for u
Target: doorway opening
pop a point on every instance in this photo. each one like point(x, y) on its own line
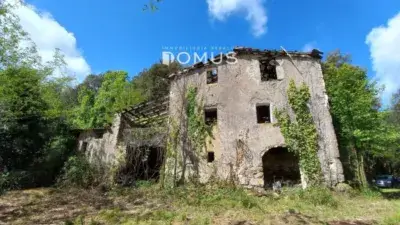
point(280, 165)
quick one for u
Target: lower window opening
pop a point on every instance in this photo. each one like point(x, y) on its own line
point(210, 116)
point(263, 114)
point(210, 157)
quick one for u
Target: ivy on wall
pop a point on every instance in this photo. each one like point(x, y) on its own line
point(198, 131)
point(300, 133)
point(188, 134)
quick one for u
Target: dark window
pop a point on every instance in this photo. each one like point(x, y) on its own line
point(84, 146)
point(268, 69)
point(210, 116)
point(212, 76)
point(210, 157)
point(263, 114)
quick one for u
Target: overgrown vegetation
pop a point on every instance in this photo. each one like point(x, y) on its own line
point(40, 105)
point(300, 132)
point(198, 130)
point(368, 136)
point(79, 172)
point(148, 204)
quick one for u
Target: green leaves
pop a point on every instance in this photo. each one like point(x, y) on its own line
point(198, 130)
point(300, 133)
point(99, 98)
point(362, 129)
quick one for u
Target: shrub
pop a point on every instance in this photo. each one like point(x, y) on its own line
point(16, 180)
point(3, 183)
point(78, 172)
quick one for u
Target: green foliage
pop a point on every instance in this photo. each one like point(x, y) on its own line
point(99, 99)
point(198, 130)
point(78, 172)
point(300, 133)
point(362, 130)
point(3, 182)
point(21, 111)
point(83, 113)
point(153, 83)
point(151, 5)
point(34, 133)
point(318, 196)
point(370, 192)
point(393, 220)
point(11, 37)
point(144, 183)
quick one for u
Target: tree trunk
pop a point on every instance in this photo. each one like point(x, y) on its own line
point(361, 176)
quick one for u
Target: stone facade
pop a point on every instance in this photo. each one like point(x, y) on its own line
point(101, 145)
point(240, 142)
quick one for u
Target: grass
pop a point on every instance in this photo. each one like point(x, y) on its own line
point(149, 204)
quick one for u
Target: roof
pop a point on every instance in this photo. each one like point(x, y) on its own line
point(147, 113)
point(316, 54)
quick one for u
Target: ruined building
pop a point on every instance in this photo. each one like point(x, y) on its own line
point(238, 100)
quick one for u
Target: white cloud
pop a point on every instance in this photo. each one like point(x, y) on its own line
point(384, 45)
point(48, 35)
point(256, 15)
point(309, 47)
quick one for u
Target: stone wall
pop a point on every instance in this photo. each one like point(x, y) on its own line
point(101, 144)
point(241, 142)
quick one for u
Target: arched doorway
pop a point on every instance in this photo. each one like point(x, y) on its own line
point(280, 164)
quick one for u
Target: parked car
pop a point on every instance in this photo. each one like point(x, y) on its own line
point(386, 181)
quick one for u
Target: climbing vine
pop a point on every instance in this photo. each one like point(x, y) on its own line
point(198, 130)
point(168, 171)
point(187, 139)
point(300, 132)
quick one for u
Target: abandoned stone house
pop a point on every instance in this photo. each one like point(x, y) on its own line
point(238, 100)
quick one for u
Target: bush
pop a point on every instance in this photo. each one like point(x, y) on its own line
point(3, 183)
point(16, 180)
point(78, 172)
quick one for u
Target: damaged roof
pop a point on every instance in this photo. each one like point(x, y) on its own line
point(316, 54)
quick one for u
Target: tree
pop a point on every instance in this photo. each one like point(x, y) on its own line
point(83, 112)
point(23, 125)
point(360, 126)
point(154, 82)
point(151, 5)
point(32, 127)
point(395, 109)
point(100, 97)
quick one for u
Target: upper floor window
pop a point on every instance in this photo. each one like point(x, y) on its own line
point(212, 76)
point(268, 69)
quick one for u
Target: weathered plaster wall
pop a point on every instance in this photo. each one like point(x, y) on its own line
point(103, 148)
point(241, 139)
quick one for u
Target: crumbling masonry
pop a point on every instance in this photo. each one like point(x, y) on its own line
point(238, 99)
point(241, 97)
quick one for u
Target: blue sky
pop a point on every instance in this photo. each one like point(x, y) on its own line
point(118, 35)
